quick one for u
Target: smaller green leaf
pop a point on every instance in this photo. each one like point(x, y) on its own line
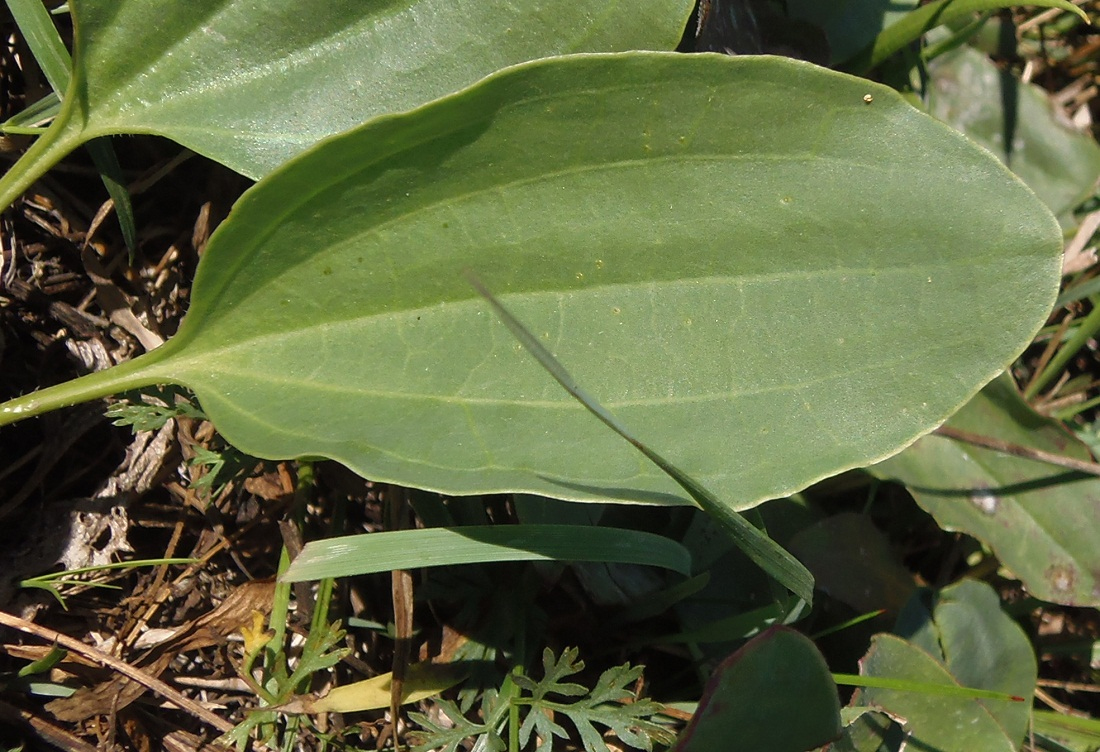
point(927, 17)
point(774, 694)
point(932, 721)
point(965, 643)
point(851, 25)
point(437, 737)
point(852, 561)
point(149, 417)
point(478, 544)
point(984, 647)
point(1038, 519)
point(610, 704)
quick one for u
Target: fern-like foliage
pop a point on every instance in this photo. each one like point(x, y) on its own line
point(610, 705)
point(437, 737)
point(150, 410)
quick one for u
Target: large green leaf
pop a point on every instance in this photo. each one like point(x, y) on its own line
point(252, 84)
point(759, 272)
point(1038, 519)
point(774, 694)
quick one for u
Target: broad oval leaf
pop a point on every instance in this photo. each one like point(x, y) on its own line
point(252, 84)
point(763, 275)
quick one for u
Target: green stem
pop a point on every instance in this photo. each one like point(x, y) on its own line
point(133, 374)
point(50, 148)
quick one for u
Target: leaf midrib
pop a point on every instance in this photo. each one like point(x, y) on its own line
point(202, 308)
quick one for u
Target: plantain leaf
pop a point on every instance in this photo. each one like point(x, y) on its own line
point(252, 84)
point(751, 265)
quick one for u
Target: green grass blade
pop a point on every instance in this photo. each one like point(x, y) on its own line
point(927, 17)
point(767, 554)
point(32, 120)
point(1085, 332)
point(134, 564)
point(928, 688)
point(720, 630)
point(846, 624)
point(45, 43)
point(478, 544)
point(1068, 728)
point(1078, 292)
point(106, 162)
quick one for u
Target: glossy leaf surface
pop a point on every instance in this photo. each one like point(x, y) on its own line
point(1039, 519)
point(252, 84)
point(775, 693)
point(730, 291)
